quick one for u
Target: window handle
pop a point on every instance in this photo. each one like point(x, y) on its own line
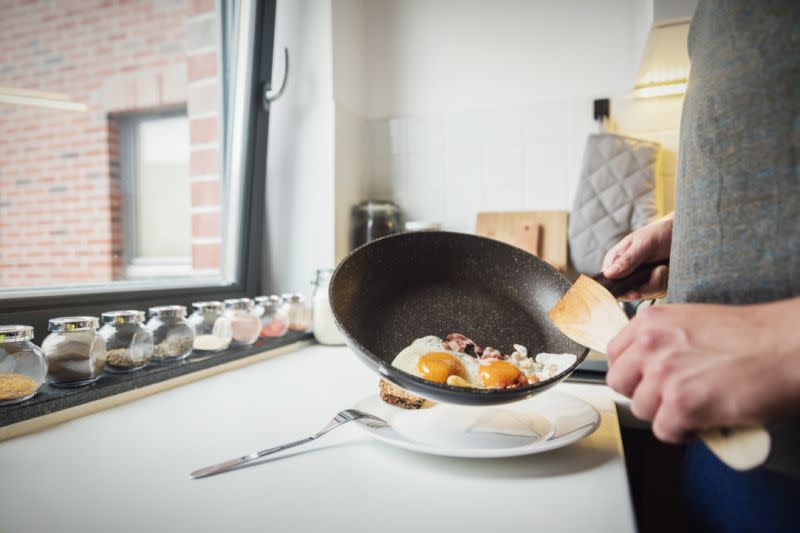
point(272, 95)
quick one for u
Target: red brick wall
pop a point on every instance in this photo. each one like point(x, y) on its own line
point(60, 198)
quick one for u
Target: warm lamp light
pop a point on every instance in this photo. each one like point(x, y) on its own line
point(664, 70)
point(665, 89)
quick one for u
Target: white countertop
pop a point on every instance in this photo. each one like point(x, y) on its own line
point(126, 469)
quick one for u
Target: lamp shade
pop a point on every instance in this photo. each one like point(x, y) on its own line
point(664, 69)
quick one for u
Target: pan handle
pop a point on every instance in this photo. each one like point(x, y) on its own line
point(635, 279)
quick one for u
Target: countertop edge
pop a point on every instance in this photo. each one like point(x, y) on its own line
point(39, 423)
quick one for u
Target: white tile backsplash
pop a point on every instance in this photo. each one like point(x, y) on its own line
point(546, 163)
point(398, 135)
point(462, 167)
point(446, 168)
point(425, 134)
point(503, 180)
point(425, 179)
point(464, 132)
point(398, 186)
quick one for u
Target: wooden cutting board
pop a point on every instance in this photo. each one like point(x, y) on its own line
point(542, 233)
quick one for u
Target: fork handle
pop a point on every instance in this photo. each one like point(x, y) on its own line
point(245, 459)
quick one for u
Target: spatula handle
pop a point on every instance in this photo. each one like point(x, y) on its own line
point(740, 448)
point(634, 280)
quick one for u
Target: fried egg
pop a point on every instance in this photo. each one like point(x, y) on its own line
point(430, 358)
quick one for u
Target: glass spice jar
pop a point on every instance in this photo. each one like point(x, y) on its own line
point(173, 337)
point(23, 367)
point(212, 331)
point(298, 315)
point(274, 321)
point(75, 351)
point(129, 345)
point(245, 325)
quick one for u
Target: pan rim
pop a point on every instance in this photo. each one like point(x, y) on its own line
point(385, 370)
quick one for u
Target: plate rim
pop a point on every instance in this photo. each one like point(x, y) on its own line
point(489, 453)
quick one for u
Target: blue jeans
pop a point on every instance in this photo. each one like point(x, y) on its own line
point(718, 498)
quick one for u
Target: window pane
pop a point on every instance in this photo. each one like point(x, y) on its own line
point(110, 142)
point(162, 228)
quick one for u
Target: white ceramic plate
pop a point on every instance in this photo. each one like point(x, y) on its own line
point(545, 422)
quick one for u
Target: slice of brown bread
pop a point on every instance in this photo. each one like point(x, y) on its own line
point(394, 395)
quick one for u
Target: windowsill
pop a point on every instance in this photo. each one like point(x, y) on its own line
point(53, 400)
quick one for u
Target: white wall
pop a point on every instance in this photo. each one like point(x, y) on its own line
point(478, 106)
point(300, 162)
point(350, 91)
point(460, 55)
point(449, 107)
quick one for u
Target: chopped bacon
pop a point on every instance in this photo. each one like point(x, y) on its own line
point(491, 353)
point(461, 343)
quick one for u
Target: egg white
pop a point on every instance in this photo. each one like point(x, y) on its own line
point(543, 366)
point(553, 364)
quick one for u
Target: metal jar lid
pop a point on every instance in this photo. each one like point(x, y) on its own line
point(127, 316)
point(239, 303)
point(15, 333)
point(168, 311)
point(370, 206)
point(72, 323)
point(205, 307)
point(269, 300)
point(293, 298)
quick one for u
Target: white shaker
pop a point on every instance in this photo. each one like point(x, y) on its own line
point(323, 323)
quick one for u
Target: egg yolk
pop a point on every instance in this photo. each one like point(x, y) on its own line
point(438, 366)
point(497, 373)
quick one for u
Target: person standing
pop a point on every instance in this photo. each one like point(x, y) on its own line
point(725, 349)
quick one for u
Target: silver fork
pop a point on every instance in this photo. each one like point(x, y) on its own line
point(343, 417)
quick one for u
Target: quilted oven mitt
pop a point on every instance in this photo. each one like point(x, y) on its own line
point(615, 196)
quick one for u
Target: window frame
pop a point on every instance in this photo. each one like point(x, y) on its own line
point(35, 310)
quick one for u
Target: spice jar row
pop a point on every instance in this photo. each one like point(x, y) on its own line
point(79, 349)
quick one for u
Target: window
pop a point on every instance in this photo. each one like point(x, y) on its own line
point(126, 184)
point(128, 174)
point(154, 164)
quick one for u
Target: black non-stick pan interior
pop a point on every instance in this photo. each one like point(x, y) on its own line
point(396, 289)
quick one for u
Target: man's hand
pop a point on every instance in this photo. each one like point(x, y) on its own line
point(649, 243)
point(698, 366)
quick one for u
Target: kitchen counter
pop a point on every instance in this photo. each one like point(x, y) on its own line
point(126, 469)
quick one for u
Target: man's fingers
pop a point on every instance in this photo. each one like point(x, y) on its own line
point(610, 267)
point(646, 399)
point(624, 378)
point(616, 250)
point(627, 259)
point(687, 402)
point(625, 374)
point(621, 342)
point(656, 286)
point(669, 429)
point(630, 296)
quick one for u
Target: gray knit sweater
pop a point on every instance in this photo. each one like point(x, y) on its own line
point(736, 237)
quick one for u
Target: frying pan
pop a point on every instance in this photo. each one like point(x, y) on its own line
point(399, 288)
point(396, 289)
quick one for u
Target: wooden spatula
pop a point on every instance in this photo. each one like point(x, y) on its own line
point(590, 315)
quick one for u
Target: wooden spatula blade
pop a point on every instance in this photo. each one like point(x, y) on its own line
point(589, 314)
